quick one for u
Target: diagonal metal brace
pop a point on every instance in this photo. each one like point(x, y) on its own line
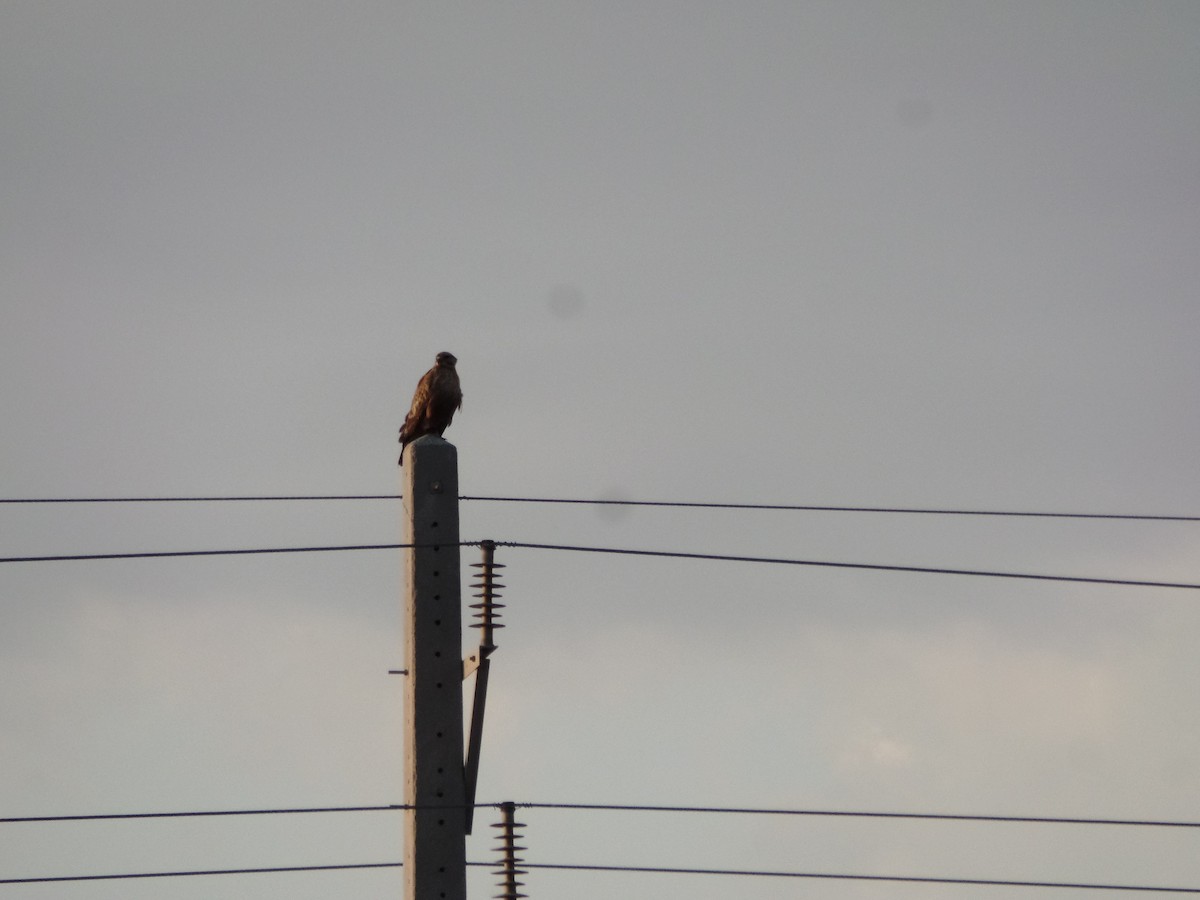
point(471, 767)
point(479, 664)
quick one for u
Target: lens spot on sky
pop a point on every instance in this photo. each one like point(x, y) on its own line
point(610, 510)
point(565, 301)
point(914, 112)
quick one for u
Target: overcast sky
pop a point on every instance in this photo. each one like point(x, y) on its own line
point(902, 254)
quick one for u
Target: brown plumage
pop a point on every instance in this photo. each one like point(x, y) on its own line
point(437, 396)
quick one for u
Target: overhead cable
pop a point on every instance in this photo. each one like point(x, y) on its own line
point(758, 873)
point(617, 807)
point(911, 879)
point(793, 507)
point(953, 817)
point(672, 554)
point(94, 817)
point(210, 499)
point(196, 872)
point(174, 553)
point(684, 504)
point(929, 570)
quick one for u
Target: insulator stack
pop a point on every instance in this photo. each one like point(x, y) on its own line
point(488, 588)
point(510, 863)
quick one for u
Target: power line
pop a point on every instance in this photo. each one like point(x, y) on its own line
point(759, 873)
point(792, 507)
point(617, 807)
point(94, 817)
point(683, 504)
point(672, 554)
point(930, 570)
point(176, 553)
point(912, 879)
point(193, 873)
point(215, 499)
point(953, 817)
point(203, 499)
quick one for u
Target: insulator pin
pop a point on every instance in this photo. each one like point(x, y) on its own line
point(509, 867)
point(487, 588)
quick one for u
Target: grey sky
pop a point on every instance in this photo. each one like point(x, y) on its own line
point(917, 254)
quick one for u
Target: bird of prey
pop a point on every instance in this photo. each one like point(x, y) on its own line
point(437, 396)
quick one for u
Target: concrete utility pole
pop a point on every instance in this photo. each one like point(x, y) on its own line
point(435, 838)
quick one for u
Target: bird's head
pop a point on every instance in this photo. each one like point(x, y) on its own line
point(446, 360)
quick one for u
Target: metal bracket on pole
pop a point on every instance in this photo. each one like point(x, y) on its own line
point(479, 663)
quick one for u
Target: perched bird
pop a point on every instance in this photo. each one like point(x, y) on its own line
point(437, 396)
